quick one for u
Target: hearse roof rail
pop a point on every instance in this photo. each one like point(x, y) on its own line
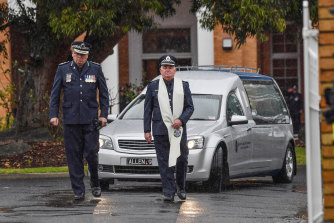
point(219, 67)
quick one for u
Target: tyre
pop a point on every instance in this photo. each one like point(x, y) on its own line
point(214, 184)
point(288, 168)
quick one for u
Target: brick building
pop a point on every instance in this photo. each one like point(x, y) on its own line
point(326, 66)
point(5, 64)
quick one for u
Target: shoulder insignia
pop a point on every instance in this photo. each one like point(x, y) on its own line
point(64, 63)
point(95, 63)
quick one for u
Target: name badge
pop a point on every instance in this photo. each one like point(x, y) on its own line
point(68, 78)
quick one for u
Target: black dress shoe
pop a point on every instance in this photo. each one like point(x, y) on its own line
point(79, 197)
point(168, 198)
point(96, 191)
point(181, 194)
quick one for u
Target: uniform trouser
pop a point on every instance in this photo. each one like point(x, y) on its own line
point(162, 147)
point(296, 122)
point(81, 141)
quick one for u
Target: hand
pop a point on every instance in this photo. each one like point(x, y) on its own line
point(54, 121)
point(177, 124)
point(148, 137)
point(103, 121)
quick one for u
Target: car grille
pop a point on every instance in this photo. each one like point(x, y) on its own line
point(135, 144)
point(135, 169)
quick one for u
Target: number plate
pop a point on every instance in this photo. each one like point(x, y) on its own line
point(139, 161)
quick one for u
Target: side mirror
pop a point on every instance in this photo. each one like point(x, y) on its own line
point(112, 117)
point(237, 120)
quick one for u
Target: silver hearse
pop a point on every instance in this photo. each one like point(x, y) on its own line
point(241, 127)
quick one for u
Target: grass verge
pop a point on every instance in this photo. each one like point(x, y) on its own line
point(300, 156)
point(36, 170)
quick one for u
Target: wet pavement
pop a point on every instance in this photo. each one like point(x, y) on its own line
point(50, 199)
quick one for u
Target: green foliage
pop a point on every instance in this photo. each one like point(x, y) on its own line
point(6, 122)
point(56, 132)
point(37, 170)
point(248, 18)
point(300, 155)
point(103, 19)
point(7, 100)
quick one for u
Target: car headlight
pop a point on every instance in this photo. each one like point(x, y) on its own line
point(105, 143)
point(195, 142)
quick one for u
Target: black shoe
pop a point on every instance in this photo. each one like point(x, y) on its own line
point(79, 197)
point(181, 194)
point(168, 198)
point(96, 191)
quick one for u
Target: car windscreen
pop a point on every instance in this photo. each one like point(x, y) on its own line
point(207, 107)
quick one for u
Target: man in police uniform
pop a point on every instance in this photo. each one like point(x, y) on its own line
point(295, 104)
point(80, 80)
point(164, 131)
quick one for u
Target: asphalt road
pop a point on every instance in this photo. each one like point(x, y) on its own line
point(37, 199)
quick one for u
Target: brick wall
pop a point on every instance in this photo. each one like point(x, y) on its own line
point(264, 59)
point(246, 55)
point(326, 65)
point(4, 65)
point(123, 55)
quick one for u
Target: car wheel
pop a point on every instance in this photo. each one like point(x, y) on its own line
point(287, 172)
point(214, 184)
point(104, 184)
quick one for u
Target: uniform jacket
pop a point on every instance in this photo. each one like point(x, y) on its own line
point(80, 104)
point(152, 112)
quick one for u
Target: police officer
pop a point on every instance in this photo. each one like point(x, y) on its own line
point(295, 104)
point(169, 96)
point(80, 80)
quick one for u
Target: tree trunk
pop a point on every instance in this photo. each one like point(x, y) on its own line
point(32, 109)
point(33, 105)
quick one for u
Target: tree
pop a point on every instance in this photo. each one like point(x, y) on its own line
point(41, 34)
point(249, 18)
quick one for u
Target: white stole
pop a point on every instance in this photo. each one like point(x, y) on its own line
point(168, 116)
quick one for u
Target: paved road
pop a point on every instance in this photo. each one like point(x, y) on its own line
point(40, 200)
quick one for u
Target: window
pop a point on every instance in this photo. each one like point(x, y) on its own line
point(166, 41)
point(207, 107)
point(266, 102)
point(285, 58)
point(159, 42)
point(233, 106)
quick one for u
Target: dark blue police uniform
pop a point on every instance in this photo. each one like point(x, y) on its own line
point(152, 115)
point(80, 115)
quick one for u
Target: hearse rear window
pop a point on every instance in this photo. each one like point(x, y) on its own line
point(266, 102)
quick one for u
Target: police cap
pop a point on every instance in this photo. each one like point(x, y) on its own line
point(167, 60)
point(81, 47)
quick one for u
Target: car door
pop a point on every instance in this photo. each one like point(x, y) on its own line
point(240, 152)
point(269, 113)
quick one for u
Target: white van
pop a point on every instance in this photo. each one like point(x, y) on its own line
point(240, 127)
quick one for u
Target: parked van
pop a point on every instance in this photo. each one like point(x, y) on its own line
point(240, 127)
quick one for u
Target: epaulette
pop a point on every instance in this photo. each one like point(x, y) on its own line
point(95, 63)
point(64, 63)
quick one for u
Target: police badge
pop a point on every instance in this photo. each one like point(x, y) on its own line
point(177, 133)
